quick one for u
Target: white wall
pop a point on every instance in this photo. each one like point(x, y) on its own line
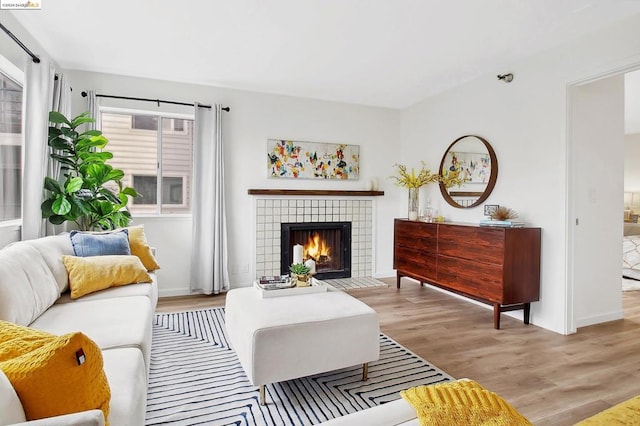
point(632, 162)
point(526, 123)
point(253, 119)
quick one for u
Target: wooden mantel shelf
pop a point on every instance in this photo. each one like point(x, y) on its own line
point(329, 192)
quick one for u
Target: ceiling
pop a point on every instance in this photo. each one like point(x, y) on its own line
point(388, 53)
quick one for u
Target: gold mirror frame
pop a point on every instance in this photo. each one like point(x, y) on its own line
point(449, 193)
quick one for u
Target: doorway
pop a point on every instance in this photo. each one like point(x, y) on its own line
point(596, 185)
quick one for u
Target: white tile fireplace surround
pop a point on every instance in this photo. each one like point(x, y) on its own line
point(270, 213)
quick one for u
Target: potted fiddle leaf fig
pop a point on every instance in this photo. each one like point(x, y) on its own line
point(92, 194)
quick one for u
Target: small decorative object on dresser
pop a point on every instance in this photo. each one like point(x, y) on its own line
point(495, 265)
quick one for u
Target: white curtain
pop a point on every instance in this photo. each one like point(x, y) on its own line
point(61, 102)
point(209, 271)
point(93, 106)
point(38, 90)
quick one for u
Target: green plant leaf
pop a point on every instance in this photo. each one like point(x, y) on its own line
point(57, 220)
point(110, 196)
point(92, 132)
point(45, 207)
point(61, 205)
point(81, 119)
point(106, 208)
point(115, 174)
point(52, 185)
point(74, 185)
point(130, 191)
point(56, 117)
point(64, 160)
point(91, 142)
point(61, 144)
point(69, 133)
point(95, 157)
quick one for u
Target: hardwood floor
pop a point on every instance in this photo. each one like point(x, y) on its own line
point(550, 378)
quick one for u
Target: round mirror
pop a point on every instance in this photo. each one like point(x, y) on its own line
point(475, 161)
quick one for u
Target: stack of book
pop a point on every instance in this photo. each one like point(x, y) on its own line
point(274, 282)
point(502, 223)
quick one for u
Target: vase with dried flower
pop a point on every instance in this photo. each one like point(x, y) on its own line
point(414, 181)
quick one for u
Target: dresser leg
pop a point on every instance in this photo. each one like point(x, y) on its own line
point(496, 316)
point(527, 312)
point(398, 276)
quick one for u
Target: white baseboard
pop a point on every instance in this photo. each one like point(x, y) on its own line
point(172, 292)
point(598, 319)
point(385, 274)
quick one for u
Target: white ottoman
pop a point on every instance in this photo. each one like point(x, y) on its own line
point(283, 338)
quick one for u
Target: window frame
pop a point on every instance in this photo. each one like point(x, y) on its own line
point(9, 69)
point(159, 115)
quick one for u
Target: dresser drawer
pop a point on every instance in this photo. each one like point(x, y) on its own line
point(415, 263)
point(477, 279)
point(418, 235)
point(484, 245)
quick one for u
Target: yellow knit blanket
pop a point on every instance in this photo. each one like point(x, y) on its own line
point(625, 413)
point(461, 403)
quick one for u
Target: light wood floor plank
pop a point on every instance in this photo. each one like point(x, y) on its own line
point(552, 379)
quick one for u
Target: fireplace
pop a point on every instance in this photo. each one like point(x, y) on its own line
point(327, 243)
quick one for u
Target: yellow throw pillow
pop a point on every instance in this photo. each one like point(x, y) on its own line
point(91, 274)
point(463, 402)
point(139, 247)
point(64, 375)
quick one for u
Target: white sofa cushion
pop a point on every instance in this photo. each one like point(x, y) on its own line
point(27, 285)
point(125, 370)
point(111, 323)
point(10, 407)
point(51, 249)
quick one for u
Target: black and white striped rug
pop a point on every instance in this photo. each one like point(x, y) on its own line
point(197, 379)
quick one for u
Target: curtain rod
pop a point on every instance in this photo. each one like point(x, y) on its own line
point(25, 48)
point(84, 95)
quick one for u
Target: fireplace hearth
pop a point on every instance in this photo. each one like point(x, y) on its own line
point(327, 243)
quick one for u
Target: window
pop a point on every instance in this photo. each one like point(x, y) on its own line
point(148, 145)
point(144, 122)
point(173, 189)
point(10, 147)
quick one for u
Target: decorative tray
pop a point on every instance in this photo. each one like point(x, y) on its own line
point(315, 287)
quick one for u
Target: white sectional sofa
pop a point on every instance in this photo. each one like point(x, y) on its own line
point(34, 292)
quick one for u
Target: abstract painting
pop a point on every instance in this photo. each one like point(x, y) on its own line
point(312, 160)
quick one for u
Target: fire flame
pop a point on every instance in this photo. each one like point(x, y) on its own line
point(316, 248)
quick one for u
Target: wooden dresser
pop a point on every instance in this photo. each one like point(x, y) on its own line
point(498, 266)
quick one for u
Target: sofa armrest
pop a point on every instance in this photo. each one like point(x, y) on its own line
point(83, 418)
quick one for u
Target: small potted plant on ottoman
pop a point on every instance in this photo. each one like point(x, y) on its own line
point(300, 273)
